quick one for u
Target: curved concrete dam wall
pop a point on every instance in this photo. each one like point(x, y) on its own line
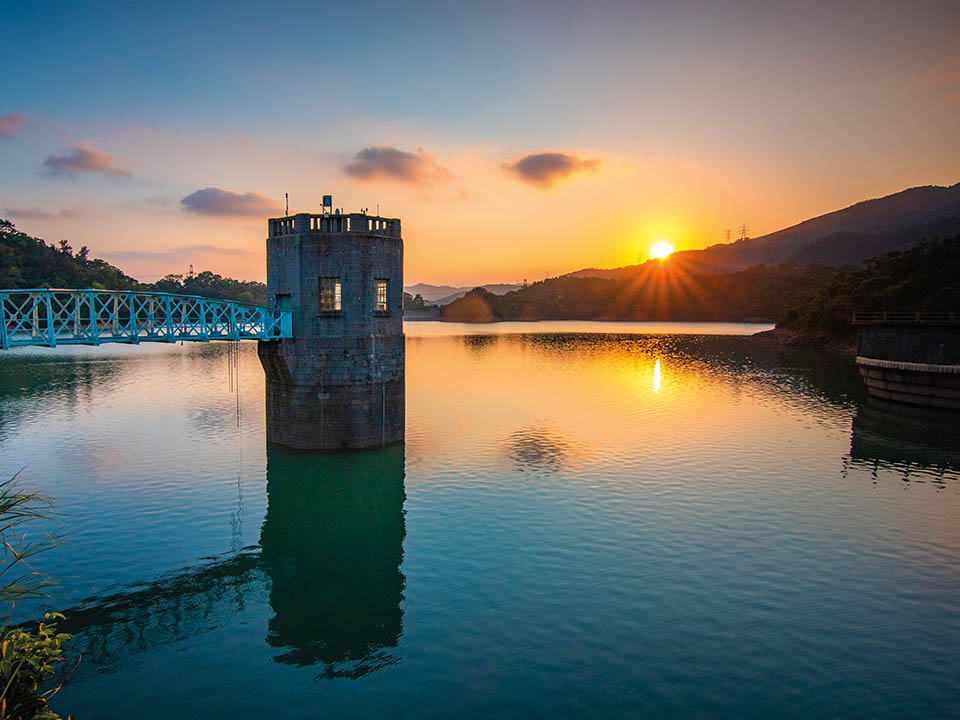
point(926, 384)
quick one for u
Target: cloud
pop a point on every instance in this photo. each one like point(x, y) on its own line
point(214, 201)
point(176, 254)
point(944, 79)
point(11, 124)
point(544, 169)
point(84, 158)
point(388, 163)
point(36, 213)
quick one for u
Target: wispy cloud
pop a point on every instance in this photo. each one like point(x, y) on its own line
point(544, 169)
point(176, 253)
point(214, 201)
point(944, 78)
point(36, 213)
point(389, 163)
point(11, 124)
point(84, 158)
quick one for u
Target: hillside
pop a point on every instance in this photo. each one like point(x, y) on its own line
point(923, 278)
point(29, 262)
point(845, 237)
point(444, 294)
point(657, 292)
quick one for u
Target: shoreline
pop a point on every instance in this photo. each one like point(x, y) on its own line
point(784, 338)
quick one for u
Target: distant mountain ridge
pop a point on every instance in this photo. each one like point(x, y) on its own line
point(445, 294)
point(844, 237)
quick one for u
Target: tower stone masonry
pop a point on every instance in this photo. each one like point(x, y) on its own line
point(338, 383)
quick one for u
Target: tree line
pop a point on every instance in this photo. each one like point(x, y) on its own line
point(657, 291)
point(925, 278)
point(29, 262)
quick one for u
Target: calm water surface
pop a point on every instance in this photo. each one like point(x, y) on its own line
point(579, 524)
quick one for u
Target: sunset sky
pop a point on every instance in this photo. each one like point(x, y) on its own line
point(514, 140)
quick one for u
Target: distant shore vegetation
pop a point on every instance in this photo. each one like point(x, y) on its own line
point(811, 301)
point(657, 291)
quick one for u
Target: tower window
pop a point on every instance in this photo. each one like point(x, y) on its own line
point(380, 296)
point(330, 294)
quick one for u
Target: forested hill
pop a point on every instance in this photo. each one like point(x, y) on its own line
point(29, 262)
point(925, 278)
point(845, 237)
point(659, 292)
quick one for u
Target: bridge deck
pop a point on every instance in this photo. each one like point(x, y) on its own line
point(92, 317)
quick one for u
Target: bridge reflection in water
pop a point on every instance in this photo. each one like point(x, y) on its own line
point(330, 551)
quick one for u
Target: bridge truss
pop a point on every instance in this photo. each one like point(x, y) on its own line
point(92, 317)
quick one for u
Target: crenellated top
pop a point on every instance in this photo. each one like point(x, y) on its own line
point(350, 223)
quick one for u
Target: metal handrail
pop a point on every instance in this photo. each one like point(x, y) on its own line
point(49, 317)
point(906, 318)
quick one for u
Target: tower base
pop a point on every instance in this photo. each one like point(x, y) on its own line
point(306, 410)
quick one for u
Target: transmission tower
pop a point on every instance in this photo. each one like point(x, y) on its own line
point(743, 232)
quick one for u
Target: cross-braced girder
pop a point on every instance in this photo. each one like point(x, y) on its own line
point(91, 317)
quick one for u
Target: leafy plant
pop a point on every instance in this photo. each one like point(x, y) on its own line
point(18, 579)
point(28, 660)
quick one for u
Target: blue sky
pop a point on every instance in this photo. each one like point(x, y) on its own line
point(685, 118)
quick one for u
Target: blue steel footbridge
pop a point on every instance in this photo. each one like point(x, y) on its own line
point(49, 318)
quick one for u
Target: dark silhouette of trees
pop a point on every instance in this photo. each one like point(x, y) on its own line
point(29, 262)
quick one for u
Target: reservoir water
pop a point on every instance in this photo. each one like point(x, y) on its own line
point(585, 520)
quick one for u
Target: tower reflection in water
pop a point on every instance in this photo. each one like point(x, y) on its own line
point(330, 551)
point(332, 544)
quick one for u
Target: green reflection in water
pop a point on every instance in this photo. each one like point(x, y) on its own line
point(332, 544)
point(330, 551)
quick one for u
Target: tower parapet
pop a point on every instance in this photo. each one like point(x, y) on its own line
point(339, 382)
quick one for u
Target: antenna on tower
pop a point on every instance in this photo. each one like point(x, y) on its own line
point(286, 196)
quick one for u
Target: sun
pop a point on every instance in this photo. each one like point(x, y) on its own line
point(661, 249)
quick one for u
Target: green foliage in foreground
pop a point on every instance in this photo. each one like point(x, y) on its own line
point(29, 262)
point(925, 278)
point(28, 659)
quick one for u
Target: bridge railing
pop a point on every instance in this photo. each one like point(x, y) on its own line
point(91, 317)
point(906, 318)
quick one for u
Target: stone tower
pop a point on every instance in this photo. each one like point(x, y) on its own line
point(339, 382)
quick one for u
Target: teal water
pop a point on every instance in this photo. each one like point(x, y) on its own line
point(578, 524)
